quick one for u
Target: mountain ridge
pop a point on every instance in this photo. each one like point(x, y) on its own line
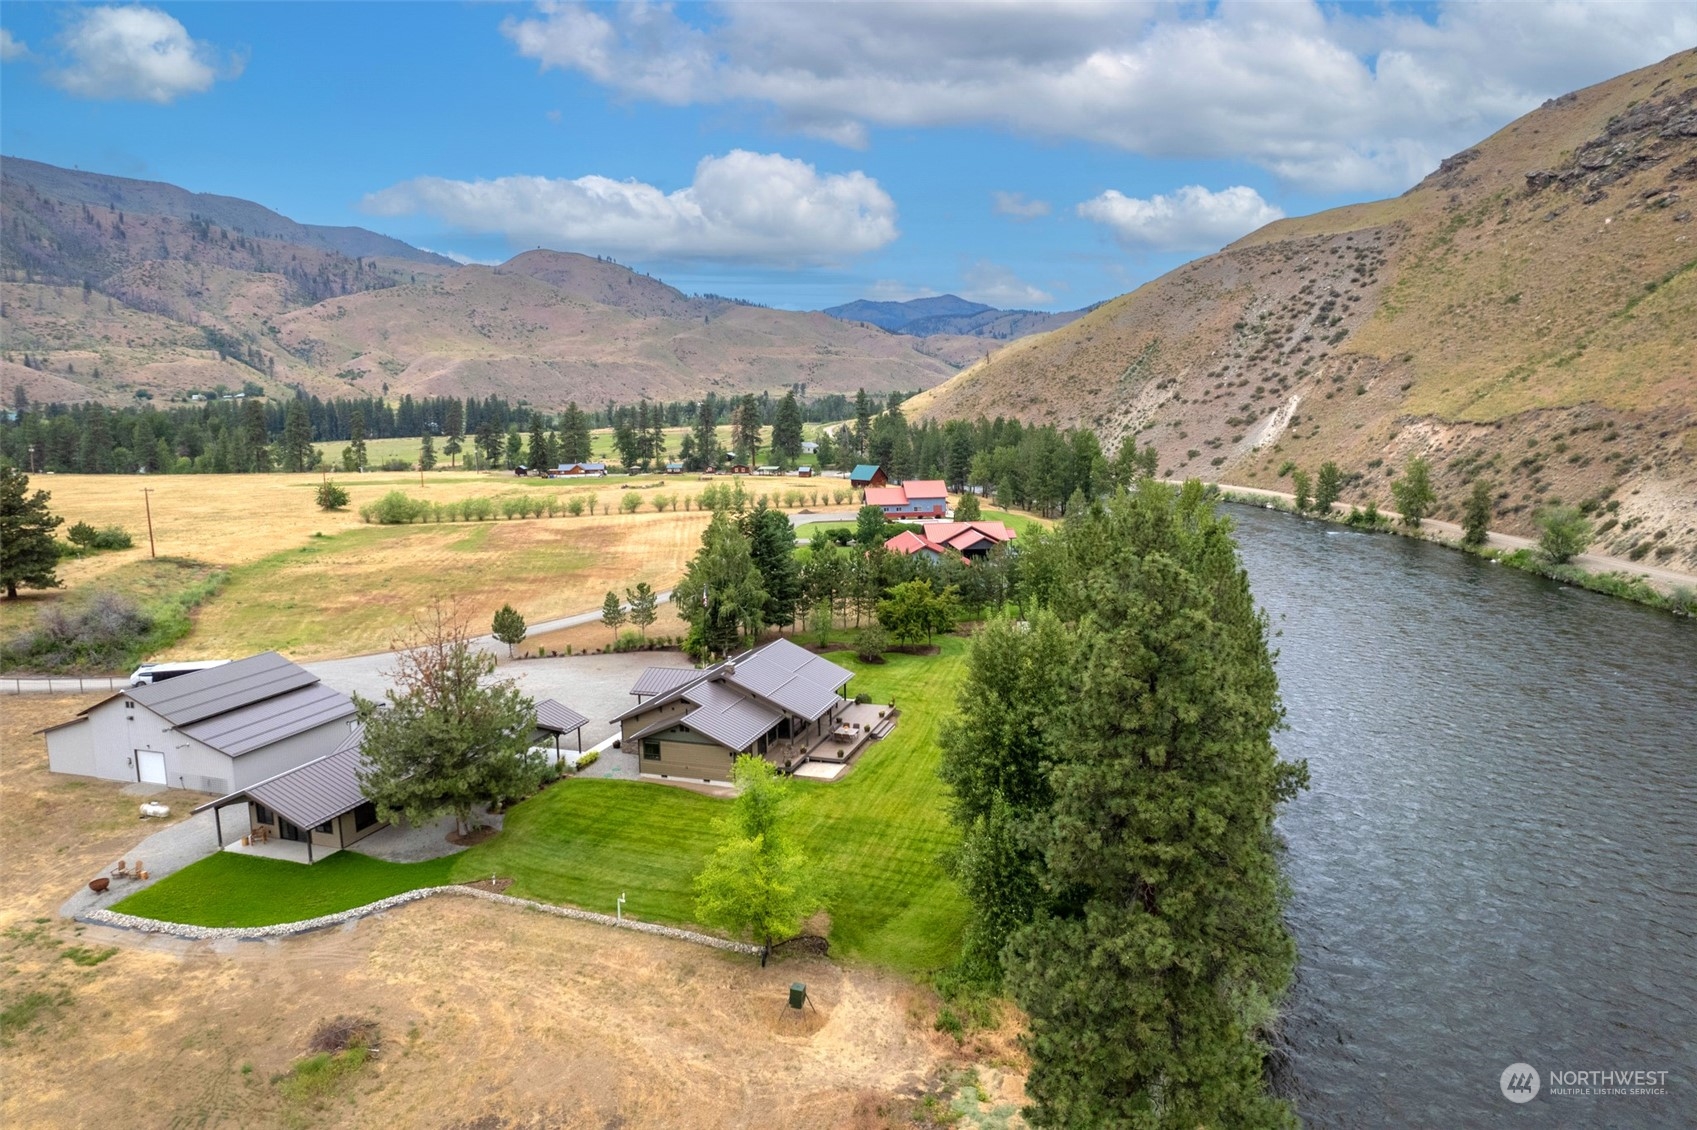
point(1522, 315)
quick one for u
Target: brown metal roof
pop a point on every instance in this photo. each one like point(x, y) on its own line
point(310, 794)
point(202, 694)
point(659, 680)
point(556, 716)
point(264, 723)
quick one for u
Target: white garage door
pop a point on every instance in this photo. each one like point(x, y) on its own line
point(150, 767)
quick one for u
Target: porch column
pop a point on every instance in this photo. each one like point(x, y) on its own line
point(309, 847)
point(218, 827)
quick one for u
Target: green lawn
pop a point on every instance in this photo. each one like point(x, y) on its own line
point(878, 834)
point(240, 890)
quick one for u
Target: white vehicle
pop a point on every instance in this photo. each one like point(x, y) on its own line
point(149, 673)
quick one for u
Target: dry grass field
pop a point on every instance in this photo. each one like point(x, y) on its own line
point(537, 1021)
point(318, 584)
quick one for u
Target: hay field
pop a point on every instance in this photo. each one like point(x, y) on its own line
point(319, 584)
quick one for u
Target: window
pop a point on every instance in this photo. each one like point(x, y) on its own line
point(324, 827)
point(651, 751)
point(365, 816)
point(262, 815)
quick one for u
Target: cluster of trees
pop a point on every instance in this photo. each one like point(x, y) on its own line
point(1115, 783)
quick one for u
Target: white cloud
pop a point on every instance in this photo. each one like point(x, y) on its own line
point(137, 53)
point(12, 49)
point(1016, 205)
point(995, 285)
point(894, 290)
point(755, 207)
point(1191, 219)
point(1323, 97)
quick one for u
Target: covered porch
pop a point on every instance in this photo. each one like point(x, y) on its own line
point(291, 851)
point(300, 815)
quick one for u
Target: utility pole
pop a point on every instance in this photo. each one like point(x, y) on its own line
point(148, 502)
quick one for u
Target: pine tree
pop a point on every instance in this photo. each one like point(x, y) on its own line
point(771, 541)
point(297, 438)
point(613, 613)
point(541, 448)
point(29, 553)
point(721, 593)
point(257, 439)
point(1160, 949)
point(786, 428)
point(426, 453)
point(354, 457)
point(455, 427)
point(643, 601)
point(706, 434)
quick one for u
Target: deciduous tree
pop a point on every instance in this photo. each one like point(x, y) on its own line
point(1563, 533)
point(757, 883)
point(447, 741)
point(1327, 487)
point(1413, 492)
point(1476, 517)
point(331, 497)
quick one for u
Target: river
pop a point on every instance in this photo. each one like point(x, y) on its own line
point(1497, 860)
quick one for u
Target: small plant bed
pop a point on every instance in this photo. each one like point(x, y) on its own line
point(493, 886)
point(471, 837)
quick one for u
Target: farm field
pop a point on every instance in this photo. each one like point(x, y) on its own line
point(878, 836)
point(319, 584)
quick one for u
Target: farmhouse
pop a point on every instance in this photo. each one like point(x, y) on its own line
point(304, 813)
point(674, 468)
point(779, 701)
point(868, 475)
point(569, 470)
point(939, 539)
point(809, 447)
point(211, 731)
point(919, 498)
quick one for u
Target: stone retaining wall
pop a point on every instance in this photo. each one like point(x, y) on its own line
point(289, 929)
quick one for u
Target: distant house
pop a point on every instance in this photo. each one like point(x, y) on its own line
point(768, 469)
point(776, 702)
point(939, 539)
point(739, 468)
point(568, 470)
point(804, 472)
point(210, 731)
point(808, 447)
point(674, 468)
point(868, 475)
point(917, 499)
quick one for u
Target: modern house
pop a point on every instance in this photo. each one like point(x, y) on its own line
point(318, 805)
point(779, 701)
point(570, 470)
point(211, 731)
point(915, 500)
point(868, 475)
point(939, 539)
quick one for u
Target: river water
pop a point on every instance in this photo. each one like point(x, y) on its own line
point(1497, 860)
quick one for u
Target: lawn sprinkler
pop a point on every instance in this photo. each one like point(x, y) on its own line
point(619, 911)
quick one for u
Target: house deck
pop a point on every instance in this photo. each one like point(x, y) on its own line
point(294, 851)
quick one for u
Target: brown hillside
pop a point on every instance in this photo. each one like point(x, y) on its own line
point(108, 301)
point(1525, 314)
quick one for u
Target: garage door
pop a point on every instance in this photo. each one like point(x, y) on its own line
point(150, 767)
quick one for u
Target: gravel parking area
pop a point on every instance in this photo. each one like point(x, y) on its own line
point(168, 850)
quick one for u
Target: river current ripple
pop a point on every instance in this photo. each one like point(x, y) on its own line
point(1497, 861)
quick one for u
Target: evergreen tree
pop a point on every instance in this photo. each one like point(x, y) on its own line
point(862, 422)
point(515, 448)
point(1476, 519)
point(455, 427)
point(1159, 951)
point(721, 593)
point(489, 442)
point(968, 509)
point(1413, 492)
point(97, 444)
point(771, 540)
point(29, 553)
point(449, 741)
point(748, 427)
point(541, 449)
point(786, 428)
point(1327, 487)
point(426, 453)
point(297, 454)
point(613, 613)
point(574, 435)
point(706, 435)
point(354, 457)
point(256, 439)
point(508, 627)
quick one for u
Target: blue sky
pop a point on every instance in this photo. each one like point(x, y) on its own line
point(1044, 156)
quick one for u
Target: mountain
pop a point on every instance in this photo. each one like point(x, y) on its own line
point(1527, 314)
point(243, 216)
point(948, 314)
point(116, 288)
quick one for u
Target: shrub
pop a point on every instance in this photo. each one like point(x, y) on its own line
point(869, 644)
point(81, 534)
point(395, 509)
point(629, 503)
point(1563, 532)
point(100, 635)
point(396, 465)
point(331, 497)
point(629, 641)
point(587, 760)
point(574, 506)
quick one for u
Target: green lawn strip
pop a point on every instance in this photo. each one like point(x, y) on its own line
point(878, 836)
point(227, 889)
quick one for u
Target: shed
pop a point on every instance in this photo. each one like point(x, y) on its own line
point(868, 475)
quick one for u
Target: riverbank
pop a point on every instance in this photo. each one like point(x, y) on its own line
point(1650, 585)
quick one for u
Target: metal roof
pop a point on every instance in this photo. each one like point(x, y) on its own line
point(886, 496)
point(659, 680)
point(310, 794)
point(731, 719)
point(925, 488)
point(864, 471)
point(552, 714)
point(792, 677)
point(270, 720)
point(203, 694)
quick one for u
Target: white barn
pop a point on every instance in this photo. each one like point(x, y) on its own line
point(214, 731)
